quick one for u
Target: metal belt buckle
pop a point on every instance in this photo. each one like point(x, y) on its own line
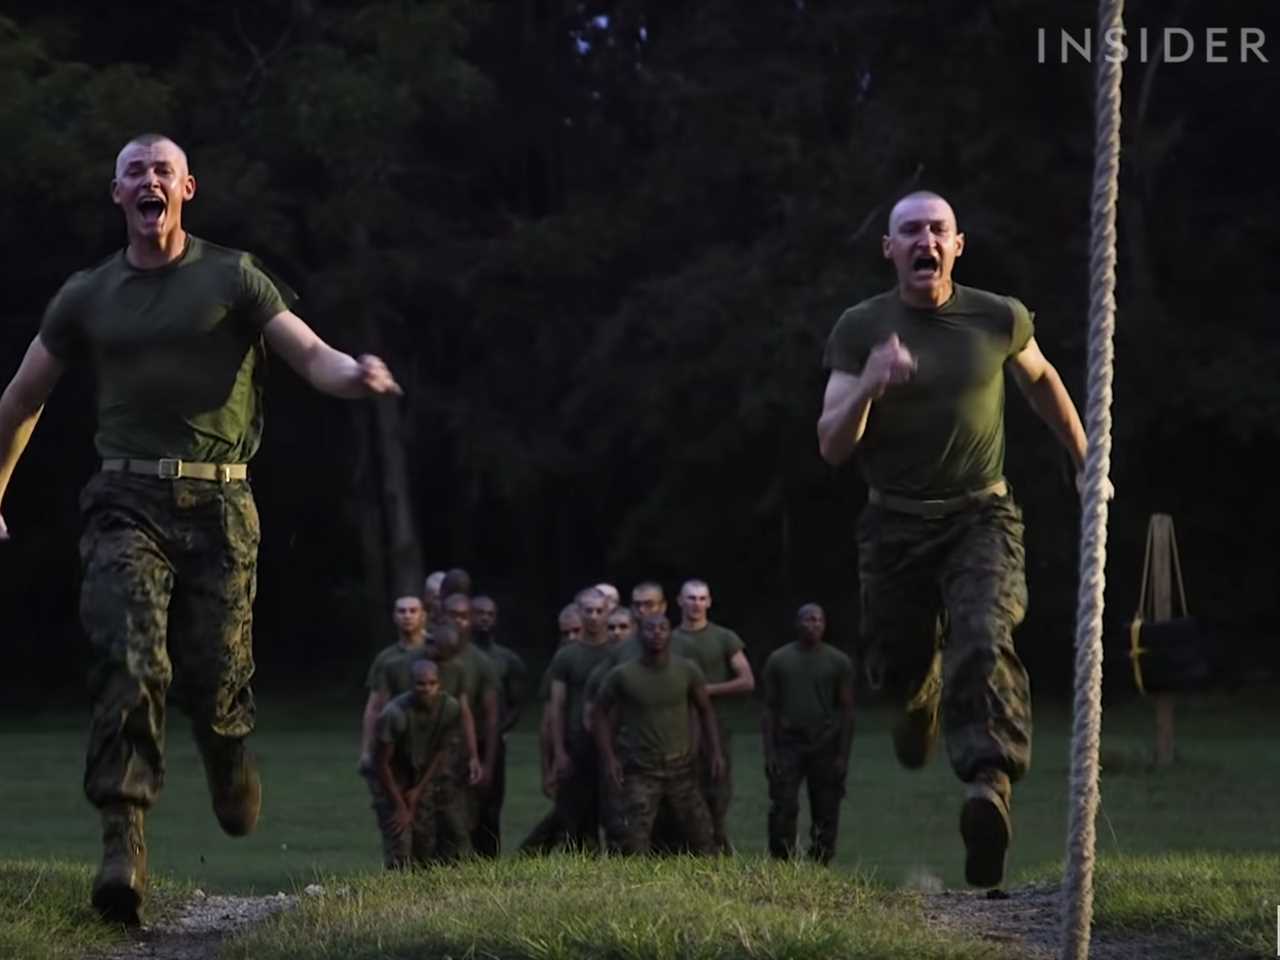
point(168, 468)
point(224, 473)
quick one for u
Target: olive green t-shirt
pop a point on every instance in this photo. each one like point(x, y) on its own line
point(653, 710)
point(572, 665)
point(177, 351)
point(416, 732)
point(712, 648)
point(391, 670)
point(510, 673)
point(941, 433)
point(470, 674)
point(630, 649)
point(803, 685)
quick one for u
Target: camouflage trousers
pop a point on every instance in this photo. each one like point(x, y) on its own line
point(417, 845)
point(797, 760)
point(454, 801)
point(952, 587)
point(169, 577)
point(643, 790)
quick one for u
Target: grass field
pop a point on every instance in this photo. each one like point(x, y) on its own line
point(1214, 810)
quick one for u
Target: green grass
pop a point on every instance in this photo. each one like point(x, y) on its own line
point(1193, 831)
point(627, 909)
point(1222, 905)
point(45, 912)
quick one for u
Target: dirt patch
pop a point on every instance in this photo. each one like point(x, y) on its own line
point(198, 929)
point(1029, 920)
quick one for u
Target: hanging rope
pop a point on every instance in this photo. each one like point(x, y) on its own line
point(1077, 914)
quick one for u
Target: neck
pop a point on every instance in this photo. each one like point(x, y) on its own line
point(147, 253)
point(928, 298)
point(657, 659)
point(687, 624)
point(412, 639)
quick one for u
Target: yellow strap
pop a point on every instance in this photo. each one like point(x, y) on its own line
point(1136, 650)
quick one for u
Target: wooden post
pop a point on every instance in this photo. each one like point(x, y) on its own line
point(1161, 594)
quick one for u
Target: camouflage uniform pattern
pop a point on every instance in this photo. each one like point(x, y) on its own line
point(956, 583)
point(578, 799)
point(798, 760)
point(169, 578)
point(416, 846)
point(644, 790)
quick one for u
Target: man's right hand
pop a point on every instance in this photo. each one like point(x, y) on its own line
point(365, 765)
point(4, 531)
point(888, 363)
point(403, 817)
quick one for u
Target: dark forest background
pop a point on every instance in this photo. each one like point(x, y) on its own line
point(601, 245)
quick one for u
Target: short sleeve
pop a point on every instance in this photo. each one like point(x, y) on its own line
point(391, 724)
point(1024, 326)
point(846, 348)
point(262, 296)
point(61, 329)
point(376, 681)
point(733, 644)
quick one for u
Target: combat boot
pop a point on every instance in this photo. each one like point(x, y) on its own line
point(234, 785)
point(121, 883)
point(916, 732)
point(987, 827)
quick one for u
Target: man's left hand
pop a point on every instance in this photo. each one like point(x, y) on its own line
point(375, 377)
point(717, 767)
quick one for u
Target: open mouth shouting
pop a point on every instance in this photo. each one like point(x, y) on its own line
point(925, 266)
point(151, 210)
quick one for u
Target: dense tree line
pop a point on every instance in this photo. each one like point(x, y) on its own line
point(602, 244)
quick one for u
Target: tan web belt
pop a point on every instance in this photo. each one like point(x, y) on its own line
point(171, 468)
point(932, 509)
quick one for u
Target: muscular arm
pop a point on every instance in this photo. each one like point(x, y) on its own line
point(469, 731)
point(372, 707)
point(20, 407)
point(1040, 384)
point(489, 707)
point(768, 728)
point(328, 370)
point(702, 703)
point(557, 708)
point(844, 416)
point(743, 681)
point(382, 766)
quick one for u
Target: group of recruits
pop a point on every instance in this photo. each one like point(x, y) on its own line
point(632, 750)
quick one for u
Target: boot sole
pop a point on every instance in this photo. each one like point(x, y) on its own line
point(986, 841)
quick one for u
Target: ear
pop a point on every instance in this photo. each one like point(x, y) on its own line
point(886, 247)
point(115, 192)
point(959, 244)
point(189, 187)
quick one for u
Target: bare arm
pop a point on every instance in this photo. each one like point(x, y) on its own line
point(703, 704)
point(328, 370)
point(1040, 384)
point(382, 765)
point(372, 708)
point(602, 730)
point(743, 681)
point(20, 407)
point(847, 402)
point(469, 735)
point(564, 766)
point(768, 727)
point(489, 707)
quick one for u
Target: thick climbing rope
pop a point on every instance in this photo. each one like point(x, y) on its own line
point(1077, 911)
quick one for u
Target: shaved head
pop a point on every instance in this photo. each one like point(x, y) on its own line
point(150, 140)
point(907, 204)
